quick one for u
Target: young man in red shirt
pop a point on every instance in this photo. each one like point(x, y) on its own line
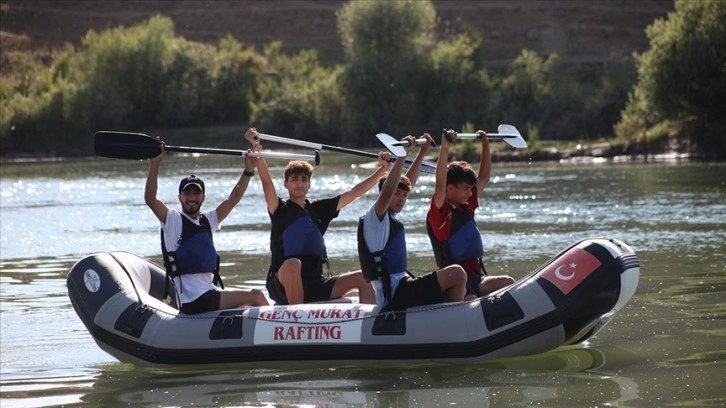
point(450, 222)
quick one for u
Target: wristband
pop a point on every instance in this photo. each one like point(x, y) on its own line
point(248, 173)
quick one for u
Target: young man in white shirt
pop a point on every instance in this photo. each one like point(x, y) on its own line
point(382, 247)
point(189, 254)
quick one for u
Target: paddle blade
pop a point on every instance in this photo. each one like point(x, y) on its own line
point(427, 166)
point(125, 145)
point(390, 143)
point(514, 138)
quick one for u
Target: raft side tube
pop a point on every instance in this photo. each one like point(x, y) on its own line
point(91, 283)
point(566, 300)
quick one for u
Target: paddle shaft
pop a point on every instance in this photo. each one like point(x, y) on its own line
point(426, 167)
point(507, 133)
point(136, 146)
point(419, 142)
point(463, 136)
point(315, 146)
point(490, 136)
point(233, 152)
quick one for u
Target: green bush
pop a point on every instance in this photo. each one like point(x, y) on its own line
point(396, 78)
point(682, 77)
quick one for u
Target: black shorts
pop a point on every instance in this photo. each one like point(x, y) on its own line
point(208, 301)
point(472, 285)
point(314, 290)
point(424, 290)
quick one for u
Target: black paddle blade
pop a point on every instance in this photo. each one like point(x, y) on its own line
point(125, 145)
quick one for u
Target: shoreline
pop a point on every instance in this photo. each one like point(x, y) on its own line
point(546, 151)
point(550, 155)
point(587, 155)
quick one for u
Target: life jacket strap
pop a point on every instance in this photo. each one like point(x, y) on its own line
point(481, 264)
point(327, 266)
point(380, 261)
point(217, 281)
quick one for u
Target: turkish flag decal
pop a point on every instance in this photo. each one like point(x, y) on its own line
point(570, 269)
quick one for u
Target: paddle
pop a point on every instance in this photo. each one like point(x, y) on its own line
point(507, 133)
point(126, 145)
point(396, 147)
point(426, 166)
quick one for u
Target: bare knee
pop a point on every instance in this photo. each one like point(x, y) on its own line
point(452, 275)
point(359, 280)
point(233, 298)
point(354, 280)
point(502, 281)
point(289, 270)
point(258, 298)
point(493, 283)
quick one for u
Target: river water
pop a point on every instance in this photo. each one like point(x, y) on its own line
point(666, 348)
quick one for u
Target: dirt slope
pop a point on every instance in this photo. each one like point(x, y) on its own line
point(585, 31)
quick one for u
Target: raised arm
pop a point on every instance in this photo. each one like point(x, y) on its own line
point(268, 186)
point(389, 186)
point(415, 169)
point(485, 165)
point(157, 207)
point(441, 169)
point(226, 206)
point(365, 185)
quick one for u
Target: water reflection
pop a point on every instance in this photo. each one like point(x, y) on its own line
point(566, 377)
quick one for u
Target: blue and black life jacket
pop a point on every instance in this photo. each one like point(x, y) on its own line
point(301, 237)
point(195, 253)
point(379, 264)
point(464, 245)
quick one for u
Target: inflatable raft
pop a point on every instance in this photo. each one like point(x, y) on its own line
point(565, 301)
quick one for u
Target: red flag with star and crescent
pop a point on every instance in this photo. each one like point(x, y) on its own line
point(570, 269)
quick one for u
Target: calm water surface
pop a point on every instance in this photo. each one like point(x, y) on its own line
point(667, 348)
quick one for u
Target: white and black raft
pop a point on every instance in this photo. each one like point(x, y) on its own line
point(565, 301)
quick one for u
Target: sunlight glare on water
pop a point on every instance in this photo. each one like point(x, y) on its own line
point(664, 348)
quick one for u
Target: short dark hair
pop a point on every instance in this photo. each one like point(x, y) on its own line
point(404, 184)
point(460, 171)
point(298, 168)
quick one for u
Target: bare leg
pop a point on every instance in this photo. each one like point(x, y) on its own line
point(290, 277)
point(233, 298)
point(491, 284)
point(348, 281)
point(452, 280)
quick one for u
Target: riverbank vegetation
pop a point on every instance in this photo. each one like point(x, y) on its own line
point(396, 78)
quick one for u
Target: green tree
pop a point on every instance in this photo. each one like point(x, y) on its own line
point(460, 89)
point(682, 76)
point(386, 46)
point(300, 97)
point(125, 69)
point(124, 78)
point(187, 92)
point(584, 103)
point(525, 88)
point(239, 70)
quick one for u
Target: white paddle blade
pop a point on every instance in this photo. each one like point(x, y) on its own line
point(507, 133)
point(516, 140)
point(392, 145)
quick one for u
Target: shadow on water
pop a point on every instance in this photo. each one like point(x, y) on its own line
point(562, 377)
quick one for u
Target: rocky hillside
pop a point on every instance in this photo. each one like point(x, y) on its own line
point(588, 32)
